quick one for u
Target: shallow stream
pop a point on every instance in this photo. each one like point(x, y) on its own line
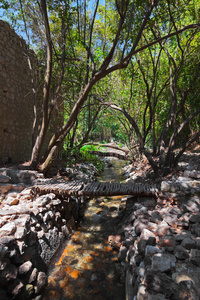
point(87, 267)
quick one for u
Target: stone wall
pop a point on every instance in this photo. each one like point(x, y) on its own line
point(31, 230)
point(16, 98)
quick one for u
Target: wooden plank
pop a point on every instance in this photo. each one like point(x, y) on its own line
point(96, 189)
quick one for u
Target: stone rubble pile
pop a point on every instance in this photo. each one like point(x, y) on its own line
point(31, 230)
point(14, 180)
point(131, 173)
point(161, 242)
point(83, 172)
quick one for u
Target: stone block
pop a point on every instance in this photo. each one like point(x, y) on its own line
point(163, 262)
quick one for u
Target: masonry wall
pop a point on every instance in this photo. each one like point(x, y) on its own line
point(16, 99)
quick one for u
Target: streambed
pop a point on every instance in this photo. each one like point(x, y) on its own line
point(87, 266)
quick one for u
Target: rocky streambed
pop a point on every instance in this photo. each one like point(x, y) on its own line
point(150, 244)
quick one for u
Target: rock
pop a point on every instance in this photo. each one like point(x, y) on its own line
point(8, 229)
point(181, 276)
point(48, 216)
point(151, 250)
point(181, 236)
point(4, 263)
point(3, 221)
point(141, 212)
point(167, 241)
point(137, 259)
point(156, 297)
point(10, 272)
point(189, 184)
point(169, 186)
point(140, 227)
point(149, 202)
point(192, 206)
point(195, 257)
point(163, 229)
point(142, 293)
point(163, 262)
point(159, 283)
point(41, 282)
point(56, 202)
point(20, 233)
point(31, 238)
point(65, 231)
point(4, 179)
point(25, 268)
point(156, 217)
point(49, 244)
point(29, 292)
point(6, 240)
point(165, 186)
point(33, 276)
point(5, 187)
point(26, 192)
point(114, 240)
point(170, 219)
point(18, 187)
point(197, 243)
point(122, 253)
point(152, 226)
point(151, 241)
point(188, 243)
point(16, 287)
point(21, 209)
point(11, 201)
point(191, 174)
point(22, 221)
point(195, 218)
point(195, 229)
point(185, 217)
point(42, 201)
point(175, 211)
point(180, 252)
point(146, 234)
point(141, 246)
point(187, 290)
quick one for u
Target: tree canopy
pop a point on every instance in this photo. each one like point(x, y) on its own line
point(125, 70)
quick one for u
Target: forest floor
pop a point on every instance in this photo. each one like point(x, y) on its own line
point(190, 160)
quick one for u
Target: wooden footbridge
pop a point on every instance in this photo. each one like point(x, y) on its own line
point(77, 188)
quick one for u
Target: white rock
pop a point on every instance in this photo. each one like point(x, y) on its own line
point(20, 233)
point(165, 186)
point(146, 234)
point(8, 229)
point(11, 201)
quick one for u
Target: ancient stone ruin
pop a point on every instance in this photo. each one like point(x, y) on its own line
point(16, 97)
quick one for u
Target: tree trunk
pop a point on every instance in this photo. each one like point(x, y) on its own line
point(46, 90)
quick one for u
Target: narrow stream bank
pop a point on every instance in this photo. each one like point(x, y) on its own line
point(87, 266)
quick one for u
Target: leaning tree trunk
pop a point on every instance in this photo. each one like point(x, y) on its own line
point(46, 90)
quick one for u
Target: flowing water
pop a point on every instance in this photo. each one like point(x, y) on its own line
point(87, 267)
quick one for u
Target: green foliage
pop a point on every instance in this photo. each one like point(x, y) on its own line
point(86, 156)
point(143, 88)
